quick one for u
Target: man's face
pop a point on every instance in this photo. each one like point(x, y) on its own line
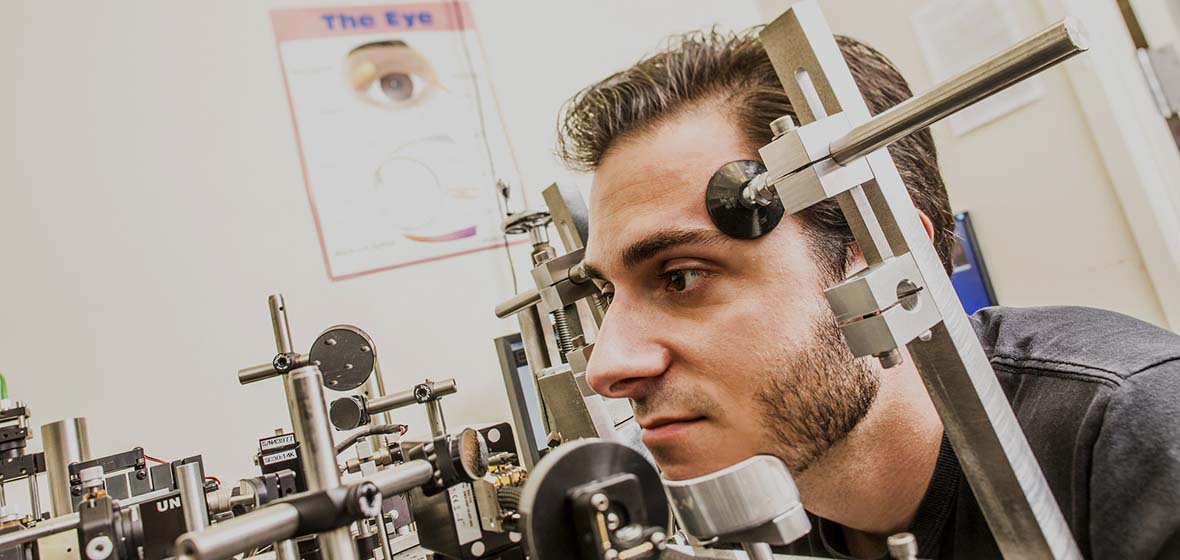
point(726, 347)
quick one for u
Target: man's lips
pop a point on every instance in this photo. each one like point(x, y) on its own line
point(661, 421)
point(664, 430)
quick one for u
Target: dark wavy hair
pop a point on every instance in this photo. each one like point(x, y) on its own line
point(733, 70)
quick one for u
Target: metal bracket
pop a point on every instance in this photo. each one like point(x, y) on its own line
point(883, 307)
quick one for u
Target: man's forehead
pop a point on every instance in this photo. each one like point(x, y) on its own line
point(655, 182)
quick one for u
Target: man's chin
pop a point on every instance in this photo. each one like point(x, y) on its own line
point(682, 464)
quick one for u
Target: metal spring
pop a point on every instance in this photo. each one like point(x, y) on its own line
point(564, 336)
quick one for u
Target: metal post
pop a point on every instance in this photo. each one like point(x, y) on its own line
point(65, 441)
point(278, 320)
point(758, 551)
point(533, 338)
point(383, 533)
point(52, 526)
point(386, 416)
point(287, 550)
point(35, 496)
point(191, 481)
point(273, 523)
point(309, 419)
point(434, 415)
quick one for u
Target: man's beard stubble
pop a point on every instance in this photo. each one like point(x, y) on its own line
point(812, 398)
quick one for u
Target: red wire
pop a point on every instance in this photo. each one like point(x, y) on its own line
point(150, 458)
point(214, 479)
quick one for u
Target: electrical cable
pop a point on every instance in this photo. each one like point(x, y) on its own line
point(483, 130)
point(150, 458)
point(374, 430)
point(4, 382)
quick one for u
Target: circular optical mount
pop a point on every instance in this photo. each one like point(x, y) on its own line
point(345, 355)
point(348, 413)
point(730, 212)
point(547, 515)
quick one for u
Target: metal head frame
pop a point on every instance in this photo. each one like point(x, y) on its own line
point(905, 296)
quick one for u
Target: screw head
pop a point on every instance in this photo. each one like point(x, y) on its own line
point(599, 501)
point(782, 125)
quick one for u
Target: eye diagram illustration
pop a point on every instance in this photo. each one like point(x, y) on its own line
point(391, 75)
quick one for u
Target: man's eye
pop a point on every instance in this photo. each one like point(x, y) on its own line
point(680, 281)
point(607, 291)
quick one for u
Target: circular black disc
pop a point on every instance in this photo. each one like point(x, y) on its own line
point(346, 413)
point(546, 519)
point(345, 356)
point(730, 215)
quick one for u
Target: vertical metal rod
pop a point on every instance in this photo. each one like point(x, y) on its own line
point(35, 496)
point(65, 441)
point(190, 479)
point(758, 551)
point(386, 547)
point(533, 338)
point(287, 550)
point(386, 416)
point(434, 415)
point(309, 418)
point(278, 320)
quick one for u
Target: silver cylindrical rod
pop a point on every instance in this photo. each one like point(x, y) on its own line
point(386, 417)
point(518, 302)
point(65, 441)
point(309, 419)
point(533, 336)
point(287, 550)
point(758, 551)
point(402, 478)
point(406, 398)
point(391, 402)
point(191, 481)
point(337, 544)
point(34, 496)
point(278, 320)
point(434, 416)
point(267, 370)
point(273, 523)
point(45, 528)
point(383, 534)
point(1023, 60)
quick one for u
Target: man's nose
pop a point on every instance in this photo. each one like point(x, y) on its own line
point(626, 355)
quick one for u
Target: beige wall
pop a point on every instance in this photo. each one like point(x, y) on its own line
point(151, 197)
point(1043, 204)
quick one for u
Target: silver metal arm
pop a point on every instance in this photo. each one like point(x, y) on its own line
point(1023, 60)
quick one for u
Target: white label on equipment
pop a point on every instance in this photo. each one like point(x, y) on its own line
point(284, 456)
point(275, 442)
point(466, 516)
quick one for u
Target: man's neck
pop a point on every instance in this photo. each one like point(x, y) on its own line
point(873, 481)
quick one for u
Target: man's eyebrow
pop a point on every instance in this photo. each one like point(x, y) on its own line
point(657, 242)
point(592, 271)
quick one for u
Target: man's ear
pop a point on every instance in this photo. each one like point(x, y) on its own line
point(856, 259)
point(926, 223)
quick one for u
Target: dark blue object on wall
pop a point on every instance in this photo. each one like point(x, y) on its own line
point(969, 276)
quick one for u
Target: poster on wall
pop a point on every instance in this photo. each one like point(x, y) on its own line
point(955, 35)
point(399, 134)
